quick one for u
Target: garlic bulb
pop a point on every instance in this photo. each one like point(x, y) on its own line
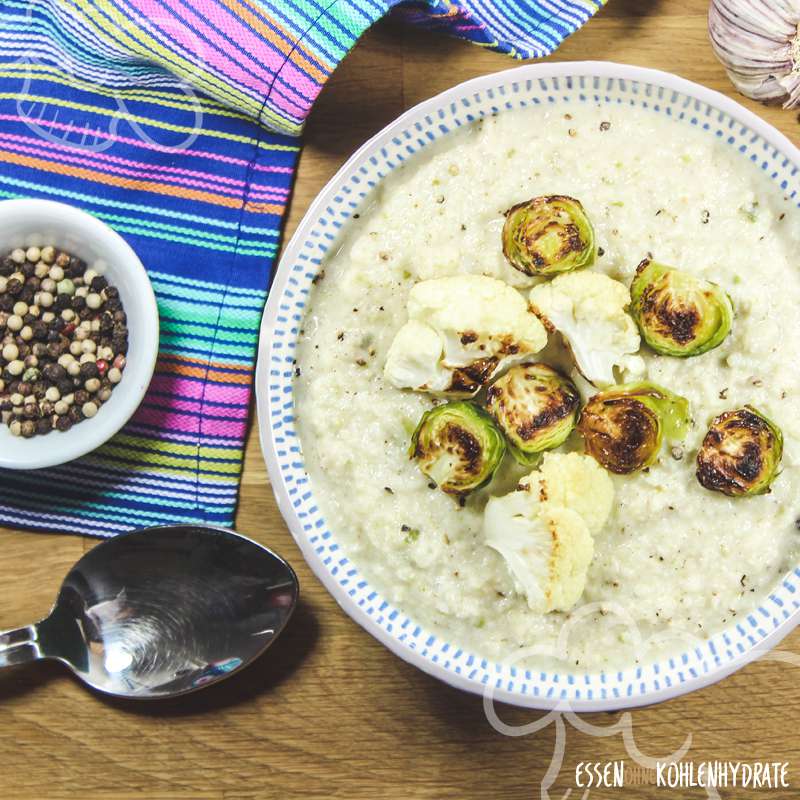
point(757, 43)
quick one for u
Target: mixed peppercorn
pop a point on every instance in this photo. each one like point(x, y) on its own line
point(63, 340)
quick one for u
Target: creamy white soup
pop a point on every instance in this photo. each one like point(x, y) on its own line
point(674, 562)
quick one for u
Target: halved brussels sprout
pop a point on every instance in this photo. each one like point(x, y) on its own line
point(458, 446)
point(547, 235)
point(741, 453)
point(678, 314)
point(623, 428)
point(536, 407)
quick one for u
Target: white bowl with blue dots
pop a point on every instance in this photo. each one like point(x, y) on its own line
point(559, 85)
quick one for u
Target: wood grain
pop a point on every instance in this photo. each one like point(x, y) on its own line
point(330, 713)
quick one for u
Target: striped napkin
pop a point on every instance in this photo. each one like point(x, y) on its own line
point(177, 122)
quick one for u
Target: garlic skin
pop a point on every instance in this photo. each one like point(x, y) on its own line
point(757, 43)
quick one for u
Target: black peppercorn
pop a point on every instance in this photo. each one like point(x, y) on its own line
point(54, 350)
point(54, 373)
point(99, 283)
point(44, 425)
point(89, 370)
point(14, 286)
point(81, 397)
point(63, 423)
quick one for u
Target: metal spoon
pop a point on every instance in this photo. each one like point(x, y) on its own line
point(162, 611)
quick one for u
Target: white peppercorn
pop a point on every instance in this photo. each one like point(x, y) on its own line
point(114, 375)
point(52, 394)
point(33, 254)
point(10, 351)
point(14, 323)
point(18, 256)
point(89, 409)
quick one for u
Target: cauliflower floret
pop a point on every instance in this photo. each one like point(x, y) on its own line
point(481, 326)
point(577, 482)
point(588, 309)
point(547, 549)
point(544, 528)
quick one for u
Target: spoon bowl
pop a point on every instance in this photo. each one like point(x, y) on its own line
point(162, 611)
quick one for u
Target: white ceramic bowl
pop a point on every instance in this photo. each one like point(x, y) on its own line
point(39, 222)
point(560, 85)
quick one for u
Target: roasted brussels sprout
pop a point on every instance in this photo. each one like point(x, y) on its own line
point(623, 428)
point(741, 453)
point(536, 407)
point(547, 235)
point(458, 446)
point(678, 314)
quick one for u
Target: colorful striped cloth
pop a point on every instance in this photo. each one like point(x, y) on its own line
point(176, 122)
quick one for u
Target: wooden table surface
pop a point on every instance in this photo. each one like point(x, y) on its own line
point(329, 712)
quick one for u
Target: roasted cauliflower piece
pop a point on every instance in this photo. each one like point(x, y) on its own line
point(547, 543)
point(482, 325)
point(589, 310)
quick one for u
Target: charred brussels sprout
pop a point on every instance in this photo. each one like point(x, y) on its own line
point(536, 407)
point(547, 235)
point(678, 314)
point(623, 428)
point(458, 446)
point(741, 453)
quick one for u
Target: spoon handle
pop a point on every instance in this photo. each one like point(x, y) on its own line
point(19, 646)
